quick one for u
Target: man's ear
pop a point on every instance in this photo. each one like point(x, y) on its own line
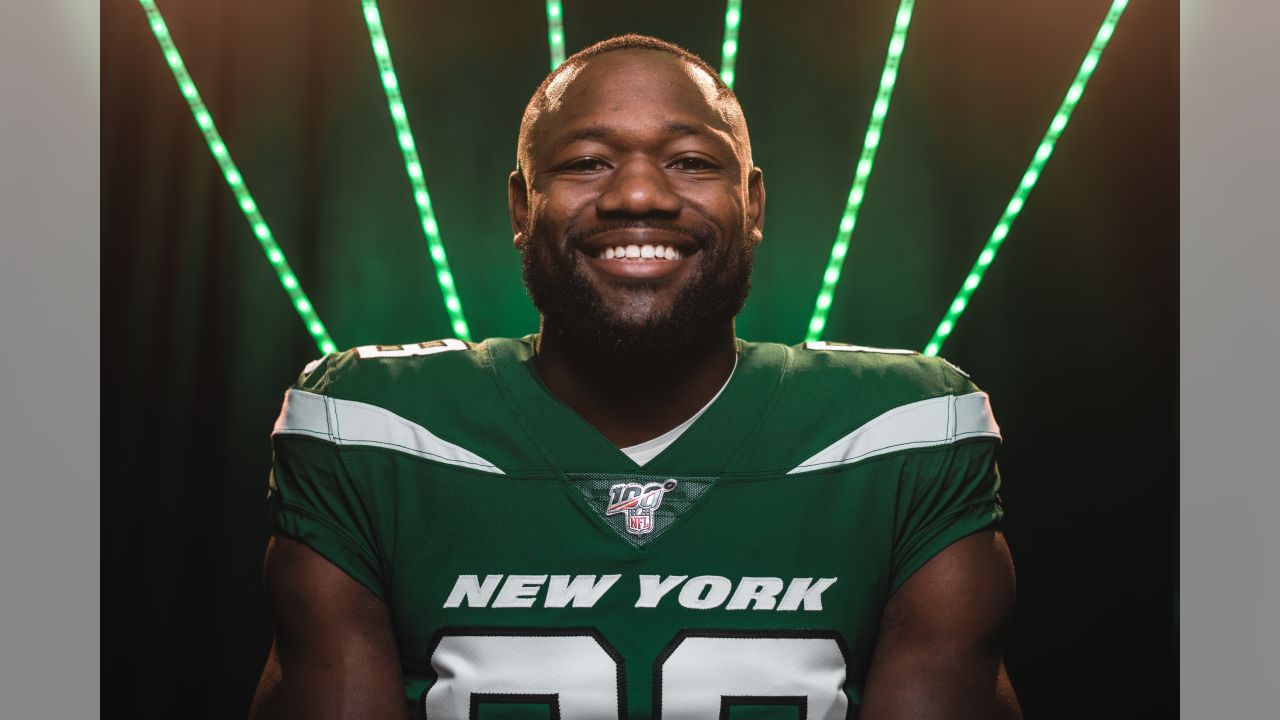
point(755, 204)
point(517, 205)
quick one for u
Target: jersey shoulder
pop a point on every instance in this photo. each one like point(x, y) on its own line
point(888, 371)
point(865, 399)
point(437, 399)
point(381, 374)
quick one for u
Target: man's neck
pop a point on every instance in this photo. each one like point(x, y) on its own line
point(634, 399)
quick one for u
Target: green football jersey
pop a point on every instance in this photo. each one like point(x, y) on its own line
point(532, 569)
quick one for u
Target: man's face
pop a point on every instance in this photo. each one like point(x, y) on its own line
point(641, 213)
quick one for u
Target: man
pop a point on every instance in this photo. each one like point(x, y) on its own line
point(633, 513)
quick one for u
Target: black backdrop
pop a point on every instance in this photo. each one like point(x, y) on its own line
point(1073, 333)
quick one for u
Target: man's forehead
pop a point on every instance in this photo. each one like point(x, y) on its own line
point(628, 78)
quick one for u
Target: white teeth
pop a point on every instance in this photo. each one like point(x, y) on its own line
point(640, 252)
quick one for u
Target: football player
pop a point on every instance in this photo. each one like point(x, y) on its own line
point(633, 513)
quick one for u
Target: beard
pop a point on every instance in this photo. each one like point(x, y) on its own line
point(573, 310)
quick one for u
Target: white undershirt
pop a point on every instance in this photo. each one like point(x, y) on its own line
point(649, 449)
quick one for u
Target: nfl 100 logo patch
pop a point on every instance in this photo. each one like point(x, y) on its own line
point(637, 507)
point(638, 501)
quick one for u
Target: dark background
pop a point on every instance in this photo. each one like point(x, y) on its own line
point(1073, 333)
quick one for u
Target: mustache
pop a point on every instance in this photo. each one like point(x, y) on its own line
point(702, 236)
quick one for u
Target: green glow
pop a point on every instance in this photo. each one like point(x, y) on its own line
point(413, 166)
point(1029, 179)
point(234, 180)
point(729, 48)
point(555, 32)
point(866, 161)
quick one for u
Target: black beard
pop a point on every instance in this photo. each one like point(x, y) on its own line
point(574, 313)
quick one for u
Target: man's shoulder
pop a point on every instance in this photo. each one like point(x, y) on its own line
point(438, 400)
point(833, 393)
point(886, 372)
point(437, 383)
point(370, 372)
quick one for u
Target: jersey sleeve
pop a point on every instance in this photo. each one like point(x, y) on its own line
point(314, 498)
point(958, 498)
point(957, 494)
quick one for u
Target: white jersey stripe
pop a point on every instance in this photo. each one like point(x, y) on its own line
point(347, 422)
point(937, 421)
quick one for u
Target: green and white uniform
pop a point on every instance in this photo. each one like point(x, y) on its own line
point(532, 569)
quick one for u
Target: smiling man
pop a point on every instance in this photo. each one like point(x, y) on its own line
point(633, 513)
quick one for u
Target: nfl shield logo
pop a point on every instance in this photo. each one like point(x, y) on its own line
point(639, 524)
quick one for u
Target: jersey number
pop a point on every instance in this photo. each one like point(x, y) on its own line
point(577, 675)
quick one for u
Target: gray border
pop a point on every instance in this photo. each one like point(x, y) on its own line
point(1230, 174)
point(49, 495)
point(1230, 587)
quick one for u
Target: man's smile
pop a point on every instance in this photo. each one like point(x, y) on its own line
point(639, 253)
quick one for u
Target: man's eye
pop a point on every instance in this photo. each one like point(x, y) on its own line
point(692, 163)
point(585, 165)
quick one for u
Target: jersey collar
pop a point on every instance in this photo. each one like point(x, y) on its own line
point(706, 447)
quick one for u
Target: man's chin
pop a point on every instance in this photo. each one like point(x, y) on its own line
point(626, 337)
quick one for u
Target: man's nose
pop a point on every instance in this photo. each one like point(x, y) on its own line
point(638, 187)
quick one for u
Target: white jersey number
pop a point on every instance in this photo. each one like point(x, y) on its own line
point(580, 676)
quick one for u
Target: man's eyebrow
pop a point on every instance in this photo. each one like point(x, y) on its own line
point(675, 127)
point(590, 132)
point(603, 132)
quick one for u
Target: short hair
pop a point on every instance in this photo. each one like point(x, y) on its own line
point(630, 41)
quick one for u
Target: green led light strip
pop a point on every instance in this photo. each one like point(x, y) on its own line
point(888, 77)
point(729, 51)
point(1029, 179)
point(236, 181)
point(427, 215)
point(555, 32)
